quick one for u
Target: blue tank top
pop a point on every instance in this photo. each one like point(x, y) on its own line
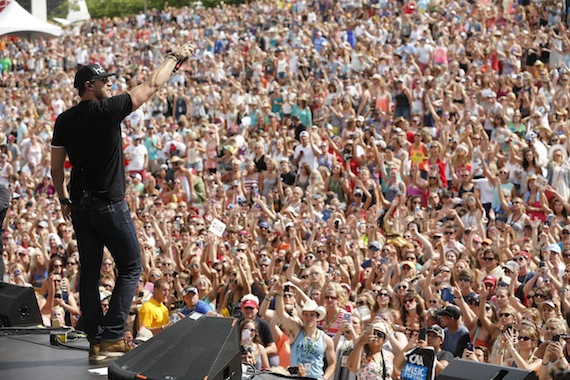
point(304, 350)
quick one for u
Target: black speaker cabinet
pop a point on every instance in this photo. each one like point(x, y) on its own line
point(192, 348)
point(459, 369)
point(18, 306)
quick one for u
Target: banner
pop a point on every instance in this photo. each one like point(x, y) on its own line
point(420, 364)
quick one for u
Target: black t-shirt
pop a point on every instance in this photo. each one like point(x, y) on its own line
point(91, 135)
point(288, 178)
point(264, 331)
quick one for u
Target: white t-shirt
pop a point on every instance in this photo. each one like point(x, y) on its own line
point(308, 156)
point(486, 190)
point(137, 154)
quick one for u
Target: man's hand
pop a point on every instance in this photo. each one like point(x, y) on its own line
point(184, 51)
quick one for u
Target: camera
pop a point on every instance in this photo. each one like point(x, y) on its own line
point(287, 288)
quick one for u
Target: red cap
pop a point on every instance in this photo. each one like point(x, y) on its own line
point(488, 279)
point(249, 303)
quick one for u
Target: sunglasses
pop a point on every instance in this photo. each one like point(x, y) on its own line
point(505, 315)
point(103, 80)
point(525, 338)
point(449, 232)
point(382, 294)
point(464, 279)
point(410, 300)
point(488, 258)
point(380, 334)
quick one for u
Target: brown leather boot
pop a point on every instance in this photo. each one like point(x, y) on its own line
point(115, 348)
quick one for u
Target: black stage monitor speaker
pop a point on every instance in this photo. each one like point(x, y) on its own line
point(193, 348)
point(18, 306)
point(459, 369)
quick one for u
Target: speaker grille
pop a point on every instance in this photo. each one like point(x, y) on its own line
point(18, 306)
point(187, 350)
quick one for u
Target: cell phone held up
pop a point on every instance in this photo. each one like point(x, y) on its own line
point(423, 333)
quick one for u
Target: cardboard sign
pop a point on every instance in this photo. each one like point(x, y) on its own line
point(217, 227)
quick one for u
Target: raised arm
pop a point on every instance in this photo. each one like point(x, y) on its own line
point(158, 77)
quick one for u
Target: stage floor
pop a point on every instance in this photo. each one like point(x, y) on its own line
point(25, 357)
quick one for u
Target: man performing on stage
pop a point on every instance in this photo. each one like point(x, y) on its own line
point(90, 134)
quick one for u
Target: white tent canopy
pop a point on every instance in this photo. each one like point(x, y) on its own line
point(15, 19)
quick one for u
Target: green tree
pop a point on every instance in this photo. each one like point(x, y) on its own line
point(122, 8)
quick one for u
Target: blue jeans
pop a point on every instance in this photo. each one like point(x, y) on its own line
point(103, 224)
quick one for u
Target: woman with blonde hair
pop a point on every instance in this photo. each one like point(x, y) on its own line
point(233, 291)
point(268, 178)
point(521, 349)
point(335, 300)
point(475, 211)
point(461, 160)
point(18, 275)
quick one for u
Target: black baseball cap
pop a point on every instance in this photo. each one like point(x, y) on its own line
point(89, 73)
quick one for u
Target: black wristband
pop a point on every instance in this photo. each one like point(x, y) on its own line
point(65, 201)
point(174, 54)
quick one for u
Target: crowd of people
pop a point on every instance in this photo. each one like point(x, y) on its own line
point(352, 180)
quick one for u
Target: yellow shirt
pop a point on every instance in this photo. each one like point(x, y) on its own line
point(153, 314)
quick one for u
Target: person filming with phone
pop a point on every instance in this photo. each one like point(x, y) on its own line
point(376, 363)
